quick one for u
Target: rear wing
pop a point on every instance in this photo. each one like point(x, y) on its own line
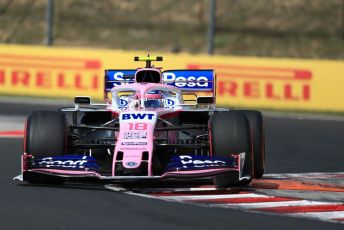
point(191, 82)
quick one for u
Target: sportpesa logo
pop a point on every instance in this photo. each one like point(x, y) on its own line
point(193, 161)
point(79, 162)
point(185, 79)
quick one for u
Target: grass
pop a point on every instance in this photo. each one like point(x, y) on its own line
point(272, 28)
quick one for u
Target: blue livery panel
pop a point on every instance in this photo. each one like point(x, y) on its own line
point(187, 80)
point(118, 77)
point(193, 162)
point(190, 80)
point(65, 162)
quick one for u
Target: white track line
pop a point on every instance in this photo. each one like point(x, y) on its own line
point(211, 197)
point(35, 101)
point(115, 188)
point(199, 189)
point(303, 175)
point(304, 116)
point(169, 189)
point(297, 203)
point(327, 216)
point(8, 123)
point(319, 215)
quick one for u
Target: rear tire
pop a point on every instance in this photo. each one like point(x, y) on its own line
point(258, 140)
point(230, 134)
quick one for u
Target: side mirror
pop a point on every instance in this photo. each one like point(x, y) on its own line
point(205, 100)
point(82, 100)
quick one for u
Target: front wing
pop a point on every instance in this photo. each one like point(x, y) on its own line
point(72, 168)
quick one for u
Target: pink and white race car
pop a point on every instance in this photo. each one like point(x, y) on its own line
point(155, 125)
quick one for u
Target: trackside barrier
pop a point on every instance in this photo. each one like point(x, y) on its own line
point(291, 84)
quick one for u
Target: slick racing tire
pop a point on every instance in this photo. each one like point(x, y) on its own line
point(45, 134)
point(230, 134)
point(258, 140)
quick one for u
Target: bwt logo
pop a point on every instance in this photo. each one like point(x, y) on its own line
point(137, 116)
point(189, 81)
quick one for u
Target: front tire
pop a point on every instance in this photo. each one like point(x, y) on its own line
point(45, 134)
point(258, 140)
point(230, 134)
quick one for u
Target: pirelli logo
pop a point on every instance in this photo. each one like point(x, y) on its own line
point(47, 72)
point(268, 83)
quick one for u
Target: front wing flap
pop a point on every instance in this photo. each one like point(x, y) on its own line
point(82, 168)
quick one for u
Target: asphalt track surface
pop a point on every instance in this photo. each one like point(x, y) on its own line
point(293, 146)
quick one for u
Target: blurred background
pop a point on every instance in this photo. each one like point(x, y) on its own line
point(268, 54)
point(271, 28)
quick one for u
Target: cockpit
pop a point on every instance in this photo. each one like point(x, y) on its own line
point(146, 96)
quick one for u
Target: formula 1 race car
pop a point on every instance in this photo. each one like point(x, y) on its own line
point(153, 126)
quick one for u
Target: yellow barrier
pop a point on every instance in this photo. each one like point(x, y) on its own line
point(247, 82)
